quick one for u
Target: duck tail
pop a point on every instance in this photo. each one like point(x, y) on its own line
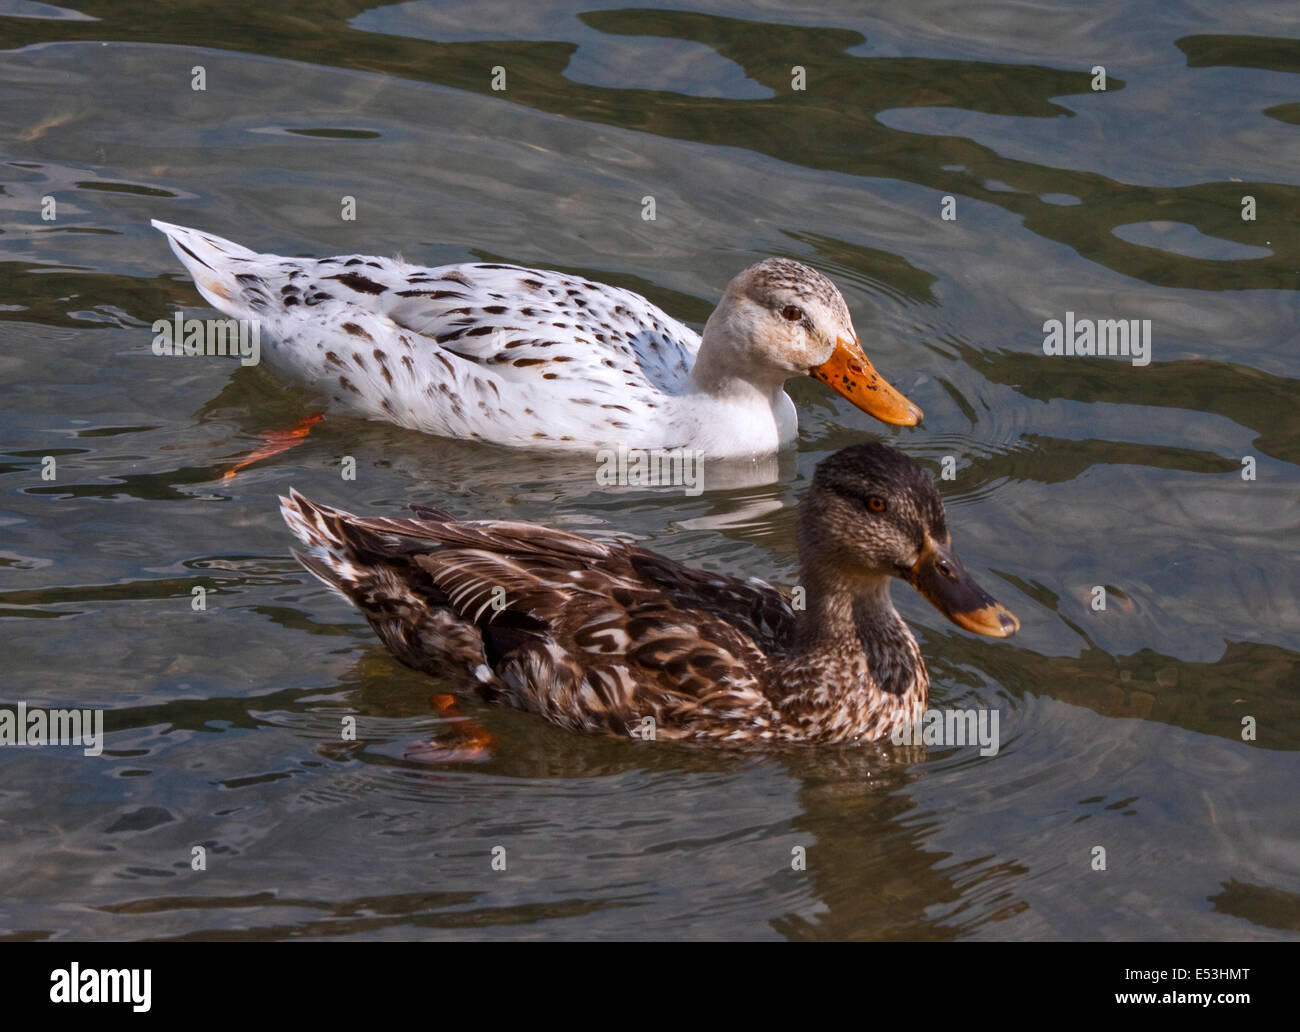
point(331, 544)
point(213, 263)
point(368, 568)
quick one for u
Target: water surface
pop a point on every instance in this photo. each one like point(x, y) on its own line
point(1120, 729)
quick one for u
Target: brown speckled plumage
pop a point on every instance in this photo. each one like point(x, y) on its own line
point(773, 280)
point(597, 637)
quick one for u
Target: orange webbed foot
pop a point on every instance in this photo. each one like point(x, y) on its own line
point(275, 442)
point(464, 740)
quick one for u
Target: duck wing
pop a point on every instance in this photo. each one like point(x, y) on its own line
point(485, 351)
point(592, 636)
point(525, 324)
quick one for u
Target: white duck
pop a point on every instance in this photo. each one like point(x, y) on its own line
point(532, 358)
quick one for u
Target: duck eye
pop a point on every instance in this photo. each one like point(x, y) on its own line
point(876, 504)
point(792, 313)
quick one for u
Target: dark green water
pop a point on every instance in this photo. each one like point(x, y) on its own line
point(1120, 729)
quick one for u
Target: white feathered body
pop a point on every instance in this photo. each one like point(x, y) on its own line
point(485, 351)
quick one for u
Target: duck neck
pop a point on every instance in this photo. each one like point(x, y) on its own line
point(725, 366)
point(855, 670)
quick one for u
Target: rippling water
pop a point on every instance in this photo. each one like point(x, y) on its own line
point(1120, 729)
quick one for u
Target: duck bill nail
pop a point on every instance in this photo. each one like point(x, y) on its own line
point(850, 373)
point(955, 594)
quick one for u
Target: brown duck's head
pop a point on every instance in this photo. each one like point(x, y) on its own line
point(873, 512)
point(785, 318)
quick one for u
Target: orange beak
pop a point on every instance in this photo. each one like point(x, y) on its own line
point(850, 373)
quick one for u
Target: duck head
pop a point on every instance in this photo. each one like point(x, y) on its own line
point(779, 319)
point(871, 514)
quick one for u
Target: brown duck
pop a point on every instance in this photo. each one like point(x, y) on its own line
point(600, 637)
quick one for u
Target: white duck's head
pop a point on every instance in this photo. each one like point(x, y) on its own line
point(779, 319)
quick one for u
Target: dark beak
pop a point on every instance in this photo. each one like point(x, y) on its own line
point(941, 578)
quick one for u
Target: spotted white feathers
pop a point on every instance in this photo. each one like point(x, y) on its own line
point(527, 357)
